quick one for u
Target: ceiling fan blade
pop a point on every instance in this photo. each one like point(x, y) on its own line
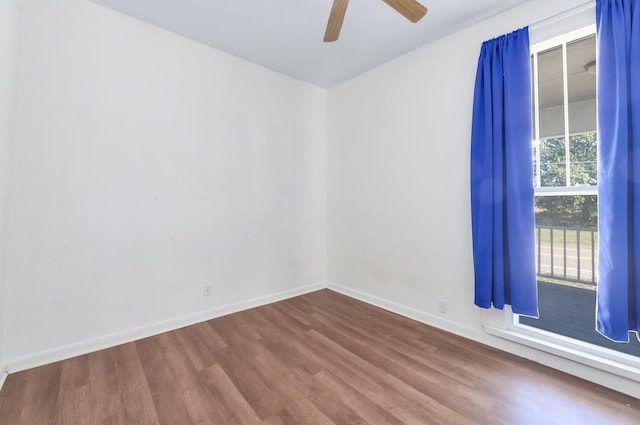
point(410, 9)
point(335, 20)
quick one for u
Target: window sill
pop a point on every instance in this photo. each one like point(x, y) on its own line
point(615, 363)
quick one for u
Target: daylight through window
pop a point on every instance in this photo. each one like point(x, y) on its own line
point(564, 155)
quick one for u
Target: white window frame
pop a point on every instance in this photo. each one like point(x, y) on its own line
point(505, 323)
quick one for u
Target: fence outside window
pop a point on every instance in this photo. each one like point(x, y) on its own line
point(567, 253)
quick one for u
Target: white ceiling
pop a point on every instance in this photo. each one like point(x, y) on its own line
point(286, 35)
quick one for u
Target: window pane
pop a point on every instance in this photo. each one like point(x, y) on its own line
point(566, 258)
point(581, 85)
point(551, 93)
point(553, 162)
point(582, 111)
point(576, 211)
point(535, 165)
point(584, 156)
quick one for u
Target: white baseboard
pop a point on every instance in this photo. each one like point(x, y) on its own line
point(554, 361)
point(108, 341)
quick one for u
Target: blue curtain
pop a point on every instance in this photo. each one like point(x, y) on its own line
point(502, 177)
point(618, 59)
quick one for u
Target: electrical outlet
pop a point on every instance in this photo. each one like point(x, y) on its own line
point(207, 290)
point(442, 306)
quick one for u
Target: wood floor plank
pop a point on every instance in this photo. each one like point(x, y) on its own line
point(363, 406)
point(249, 384)
point(411, 347)
point(402, 401)
point(203, 406)
point(320, 358)
point(104, 394)
point(199, 343)
point(236, 407)
point(40, 395)
point(288, 342)
point(328, 402)
point(431, 382)
point(168, 377)
point(237, 334)
point(290, 391)
point(73, 407)
point(135, 396)
point(292, 309)
point(282, 418)
point(435, 385)
point(12, 395)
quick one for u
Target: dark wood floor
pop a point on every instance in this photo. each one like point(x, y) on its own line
point(321, 358)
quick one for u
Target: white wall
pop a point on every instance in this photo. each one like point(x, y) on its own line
point(9, 22)
point(398, 183)
point(146, 166)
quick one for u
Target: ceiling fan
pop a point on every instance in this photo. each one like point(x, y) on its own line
point(410, 9)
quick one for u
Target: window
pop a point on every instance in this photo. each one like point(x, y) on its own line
point(564, 155)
